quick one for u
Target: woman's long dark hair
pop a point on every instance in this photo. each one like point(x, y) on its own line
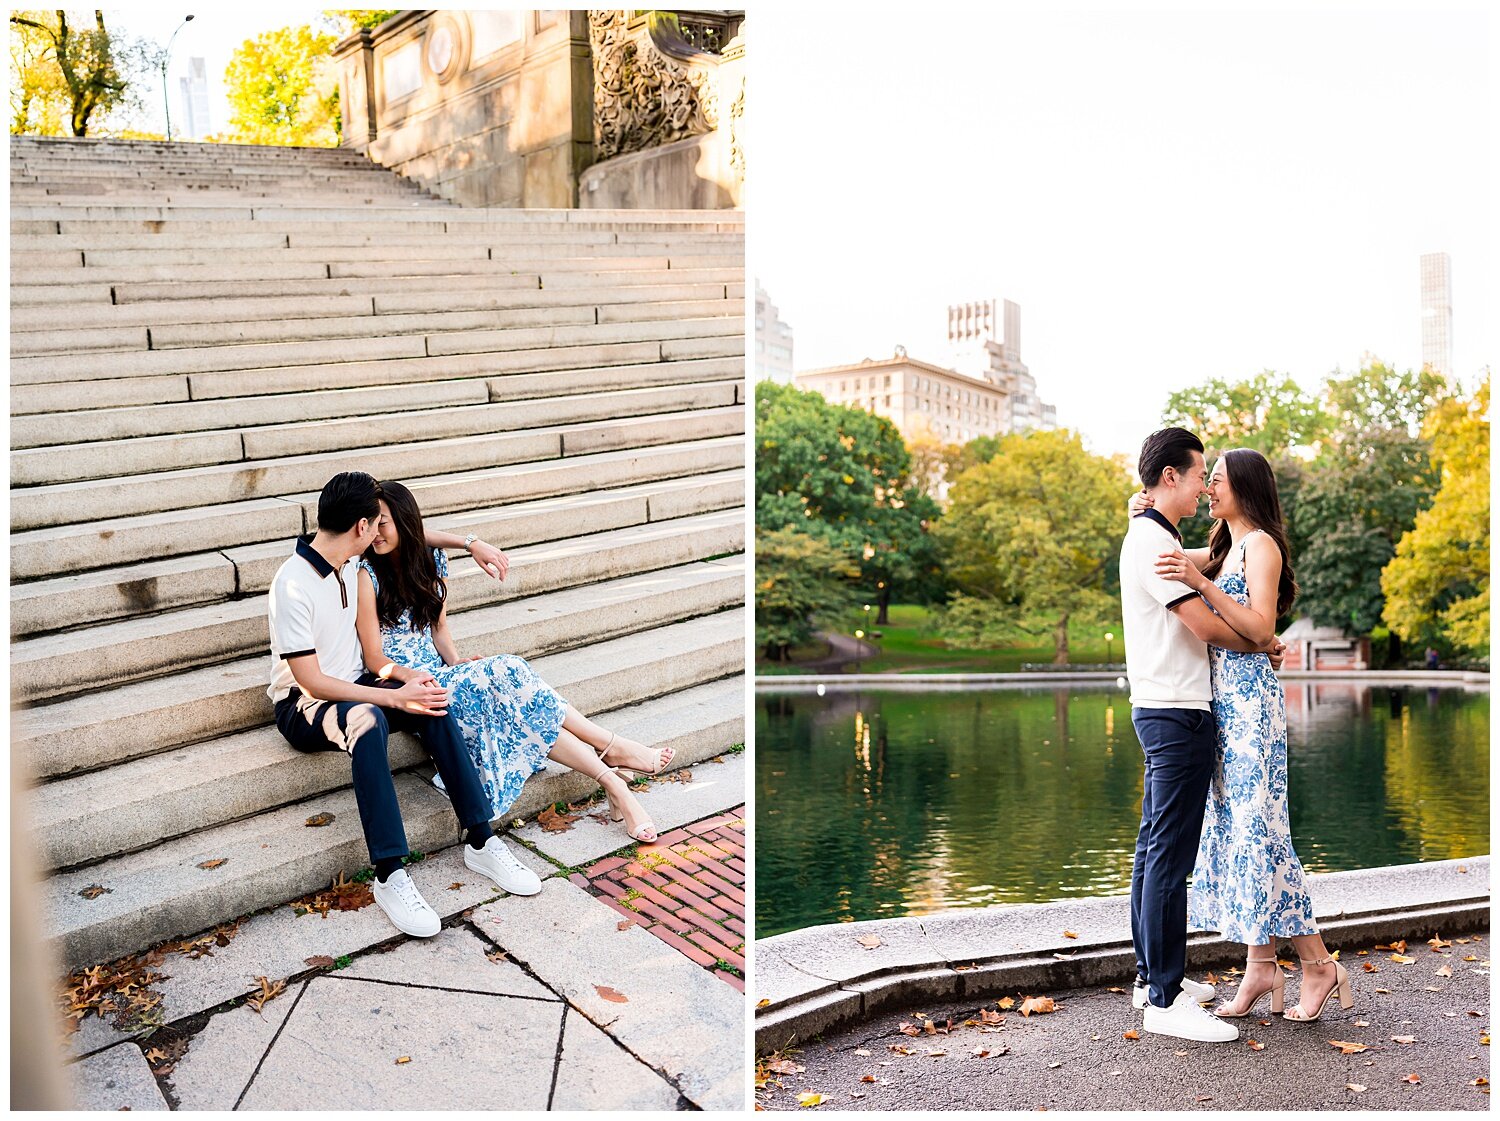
point(408, 576)
point(1254, 486)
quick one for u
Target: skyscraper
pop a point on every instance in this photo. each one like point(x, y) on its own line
point(194, 88)
point(1437, 313)
point(773, 341)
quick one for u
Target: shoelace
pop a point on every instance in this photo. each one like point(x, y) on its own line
point(502, 853)
point(409, 894)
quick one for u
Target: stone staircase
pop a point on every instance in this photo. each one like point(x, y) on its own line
point(200, 336)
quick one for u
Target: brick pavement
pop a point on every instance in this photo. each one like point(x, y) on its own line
point(688, 889)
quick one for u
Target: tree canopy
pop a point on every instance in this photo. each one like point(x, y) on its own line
point(282, 89)
point(800, 581)
point(1029, 538)
point(67, 72)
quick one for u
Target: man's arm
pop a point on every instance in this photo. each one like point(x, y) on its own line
point(424, 699)
point(1199, 618)
point(486, 556)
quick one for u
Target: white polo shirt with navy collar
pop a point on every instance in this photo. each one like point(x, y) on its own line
point(312, 611)
point(1167, 663)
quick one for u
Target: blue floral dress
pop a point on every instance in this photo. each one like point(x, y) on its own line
point(509, 717)
point(1248, 883)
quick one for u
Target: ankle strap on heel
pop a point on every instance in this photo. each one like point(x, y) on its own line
point(1329, 960)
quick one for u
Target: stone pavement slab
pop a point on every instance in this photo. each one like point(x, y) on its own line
point(341, 1044)
point(716, 786)
point(221, 1058)
point(1079, 1057)
point(455, 959)
point(596, 1073)
point(675, 1017)
point(119, 1078)
point(277, 943)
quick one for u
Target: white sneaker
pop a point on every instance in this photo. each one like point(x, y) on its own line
point(403, 905)
point(1140, 995)
point(1187, 1020)
point(496, 862)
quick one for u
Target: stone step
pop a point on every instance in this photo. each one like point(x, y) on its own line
point(160, 313)
point(262, 236)
point(263, 356)
point(173, 412)
point(161, 893)
point(133, 649)
point(107, 459)
point(443, 212)
point(84, 598)
point(57, 504)
point(91, 817)
point(550, 309)
point(110, 542)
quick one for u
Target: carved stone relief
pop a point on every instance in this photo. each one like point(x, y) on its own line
point(642, 98)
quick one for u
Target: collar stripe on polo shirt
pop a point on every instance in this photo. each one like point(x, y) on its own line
point(1162, 520)
point(320, 565)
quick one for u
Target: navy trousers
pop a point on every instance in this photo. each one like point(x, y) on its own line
point(362, 730)
point(1179, 745)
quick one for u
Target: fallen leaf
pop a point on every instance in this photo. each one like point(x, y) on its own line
point(1478, 1082)
point(1254, 1046)
point(1475, 1014)
point(553, 822)
point(900, 1050)
point(938, 1054)
point(269, 991)
point(988, 1017)
point(1414, 1079)
point(784, 1066)
point(1437, 943)
point(980, 1052)
point(1347, 1048)
point(809, 1101)
point(626, 924)
point(1395, 947)
point(318, 961)
point(403, 1059)
point(497, 956)
point(929, 1027)
point(1203, 1098)
point(1053, 1066)
point(319, 820)
point(1402, 959)
point(611, 995)
point(1132, 1034)
point(1403, 1039)
point(1361, 1023)
point(870, 941)
point(454, 886)
point(868, 1078)
point(94, 891)
point(214, 863)
point(1445, 971)
point(1037, 1004)
point(1356, 1087)
point(1387, 992)
point(1471, 957)
point(862, 1051)
point(156, 1055)
point(1006, 1003)
point(762, 1002)
point(1117, 989)
point(906, 1028)
point(1069, 934)
point(1371, 967)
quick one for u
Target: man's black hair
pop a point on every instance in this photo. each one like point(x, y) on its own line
point(1169, 447)
point(347, 497)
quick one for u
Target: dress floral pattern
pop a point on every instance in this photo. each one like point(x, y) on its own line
point(508, 715)
point(1248, 883)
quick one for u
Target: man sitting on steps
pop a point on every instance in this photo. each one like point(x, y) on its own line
point(326, 700)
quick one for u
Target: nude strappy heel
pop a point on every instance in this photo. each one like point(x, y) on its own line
point(629, 774)
point(1277, 989)
point(1341, 989)
point(645, 833)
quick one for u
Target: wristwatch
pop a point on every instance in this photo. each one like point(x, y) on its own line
point(469, 540)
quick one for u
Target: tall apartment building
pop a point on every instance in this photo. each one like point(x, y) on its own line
point(773, 341)
point(194, 89)
point(1437, 313)
point(984, 341)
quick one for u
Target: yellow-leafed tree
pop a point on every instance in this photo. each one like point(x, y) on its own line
point(1437, 587)
point(282, 89)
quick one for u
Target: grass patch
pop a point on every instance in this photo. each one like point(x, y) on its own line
point(727, 968)
point(343, 961)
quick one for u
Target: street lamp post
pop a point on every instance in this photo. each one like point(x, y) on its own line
point(166, 99)
point(1109, 647)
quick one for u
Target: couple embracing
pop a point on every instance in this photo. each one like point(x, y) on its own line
point(1210, 714)
point(361, 647)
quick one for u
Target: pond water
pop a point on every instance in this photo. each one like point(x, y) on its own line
point(882, 803)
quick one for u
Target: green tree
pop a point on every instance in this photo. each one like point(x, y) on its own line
point(1029, 538)
point(282, 89)
point(342, 21)
point(1437, 587)
point(799, 580)
point(844, 476)
point(1269, 412)
point(68, 65)
point(1372, 477)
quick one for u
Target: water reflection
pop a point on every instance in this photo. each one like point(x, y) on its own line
point(883, 803)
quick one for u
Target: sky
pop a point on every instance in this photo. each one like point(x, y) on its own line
point(1170, 195)
point(214, 35)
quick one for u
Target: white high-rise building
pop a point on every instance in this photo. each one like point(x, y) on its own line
point(194, 88)
point(1437, 313)
point(773, 341)
point(984, 341)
